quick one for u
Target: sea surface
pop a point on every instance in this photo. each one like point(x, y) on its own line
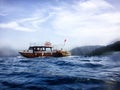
point(66, 73)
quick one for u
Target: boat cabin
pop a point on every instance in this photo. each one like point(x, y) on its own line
point(40, 48)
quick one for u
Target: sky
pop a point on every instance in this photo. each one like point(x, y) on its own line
point(80, 22)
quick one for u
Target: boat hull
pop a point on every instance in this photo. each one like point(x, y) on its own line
point(55, 54)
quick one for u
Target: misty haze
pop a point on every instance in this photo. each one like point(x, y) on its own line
point(59, 45)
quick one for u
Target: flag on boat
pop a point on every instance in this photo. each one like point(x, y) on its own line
point(65, 40)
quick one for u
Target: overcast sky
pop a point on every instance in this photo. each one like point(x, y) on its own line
point(80, 22)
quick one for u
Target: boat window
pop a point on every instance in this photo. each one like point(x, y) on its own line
point(34, 49)
point(48, 49)
point(38, 49)
point(30, 48)
point(43, 49)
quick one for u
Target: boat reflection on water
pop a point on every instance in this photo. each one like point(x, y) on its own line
point(45, 50)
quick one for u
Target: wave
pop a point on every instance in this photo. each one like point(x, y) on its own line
point(63, 82)
point(66, 73)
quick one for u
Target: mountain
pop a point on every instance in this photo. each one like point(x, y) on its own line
point(96, 50)
point(84, 50)
point(106, 49)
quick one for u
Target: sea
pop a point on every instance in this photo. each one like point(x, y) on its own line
point(63, 73)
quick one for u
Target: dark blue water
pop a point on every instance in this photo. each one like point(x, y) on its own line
point(66, 73)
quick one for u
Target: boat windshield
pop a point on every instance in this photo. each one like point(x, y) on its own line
point(40, 48)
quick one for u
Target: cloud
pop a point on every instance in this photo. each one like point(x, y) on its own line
point(14, 26)
point(3, 14)
point(95, 19)
point(25, 24)
point(94, 5)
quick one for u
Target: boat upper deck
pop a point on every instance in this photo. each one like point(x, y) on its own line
point(40, 48)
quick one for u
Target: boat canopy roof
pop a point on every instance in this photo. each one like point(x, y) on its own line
point(39, 47)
